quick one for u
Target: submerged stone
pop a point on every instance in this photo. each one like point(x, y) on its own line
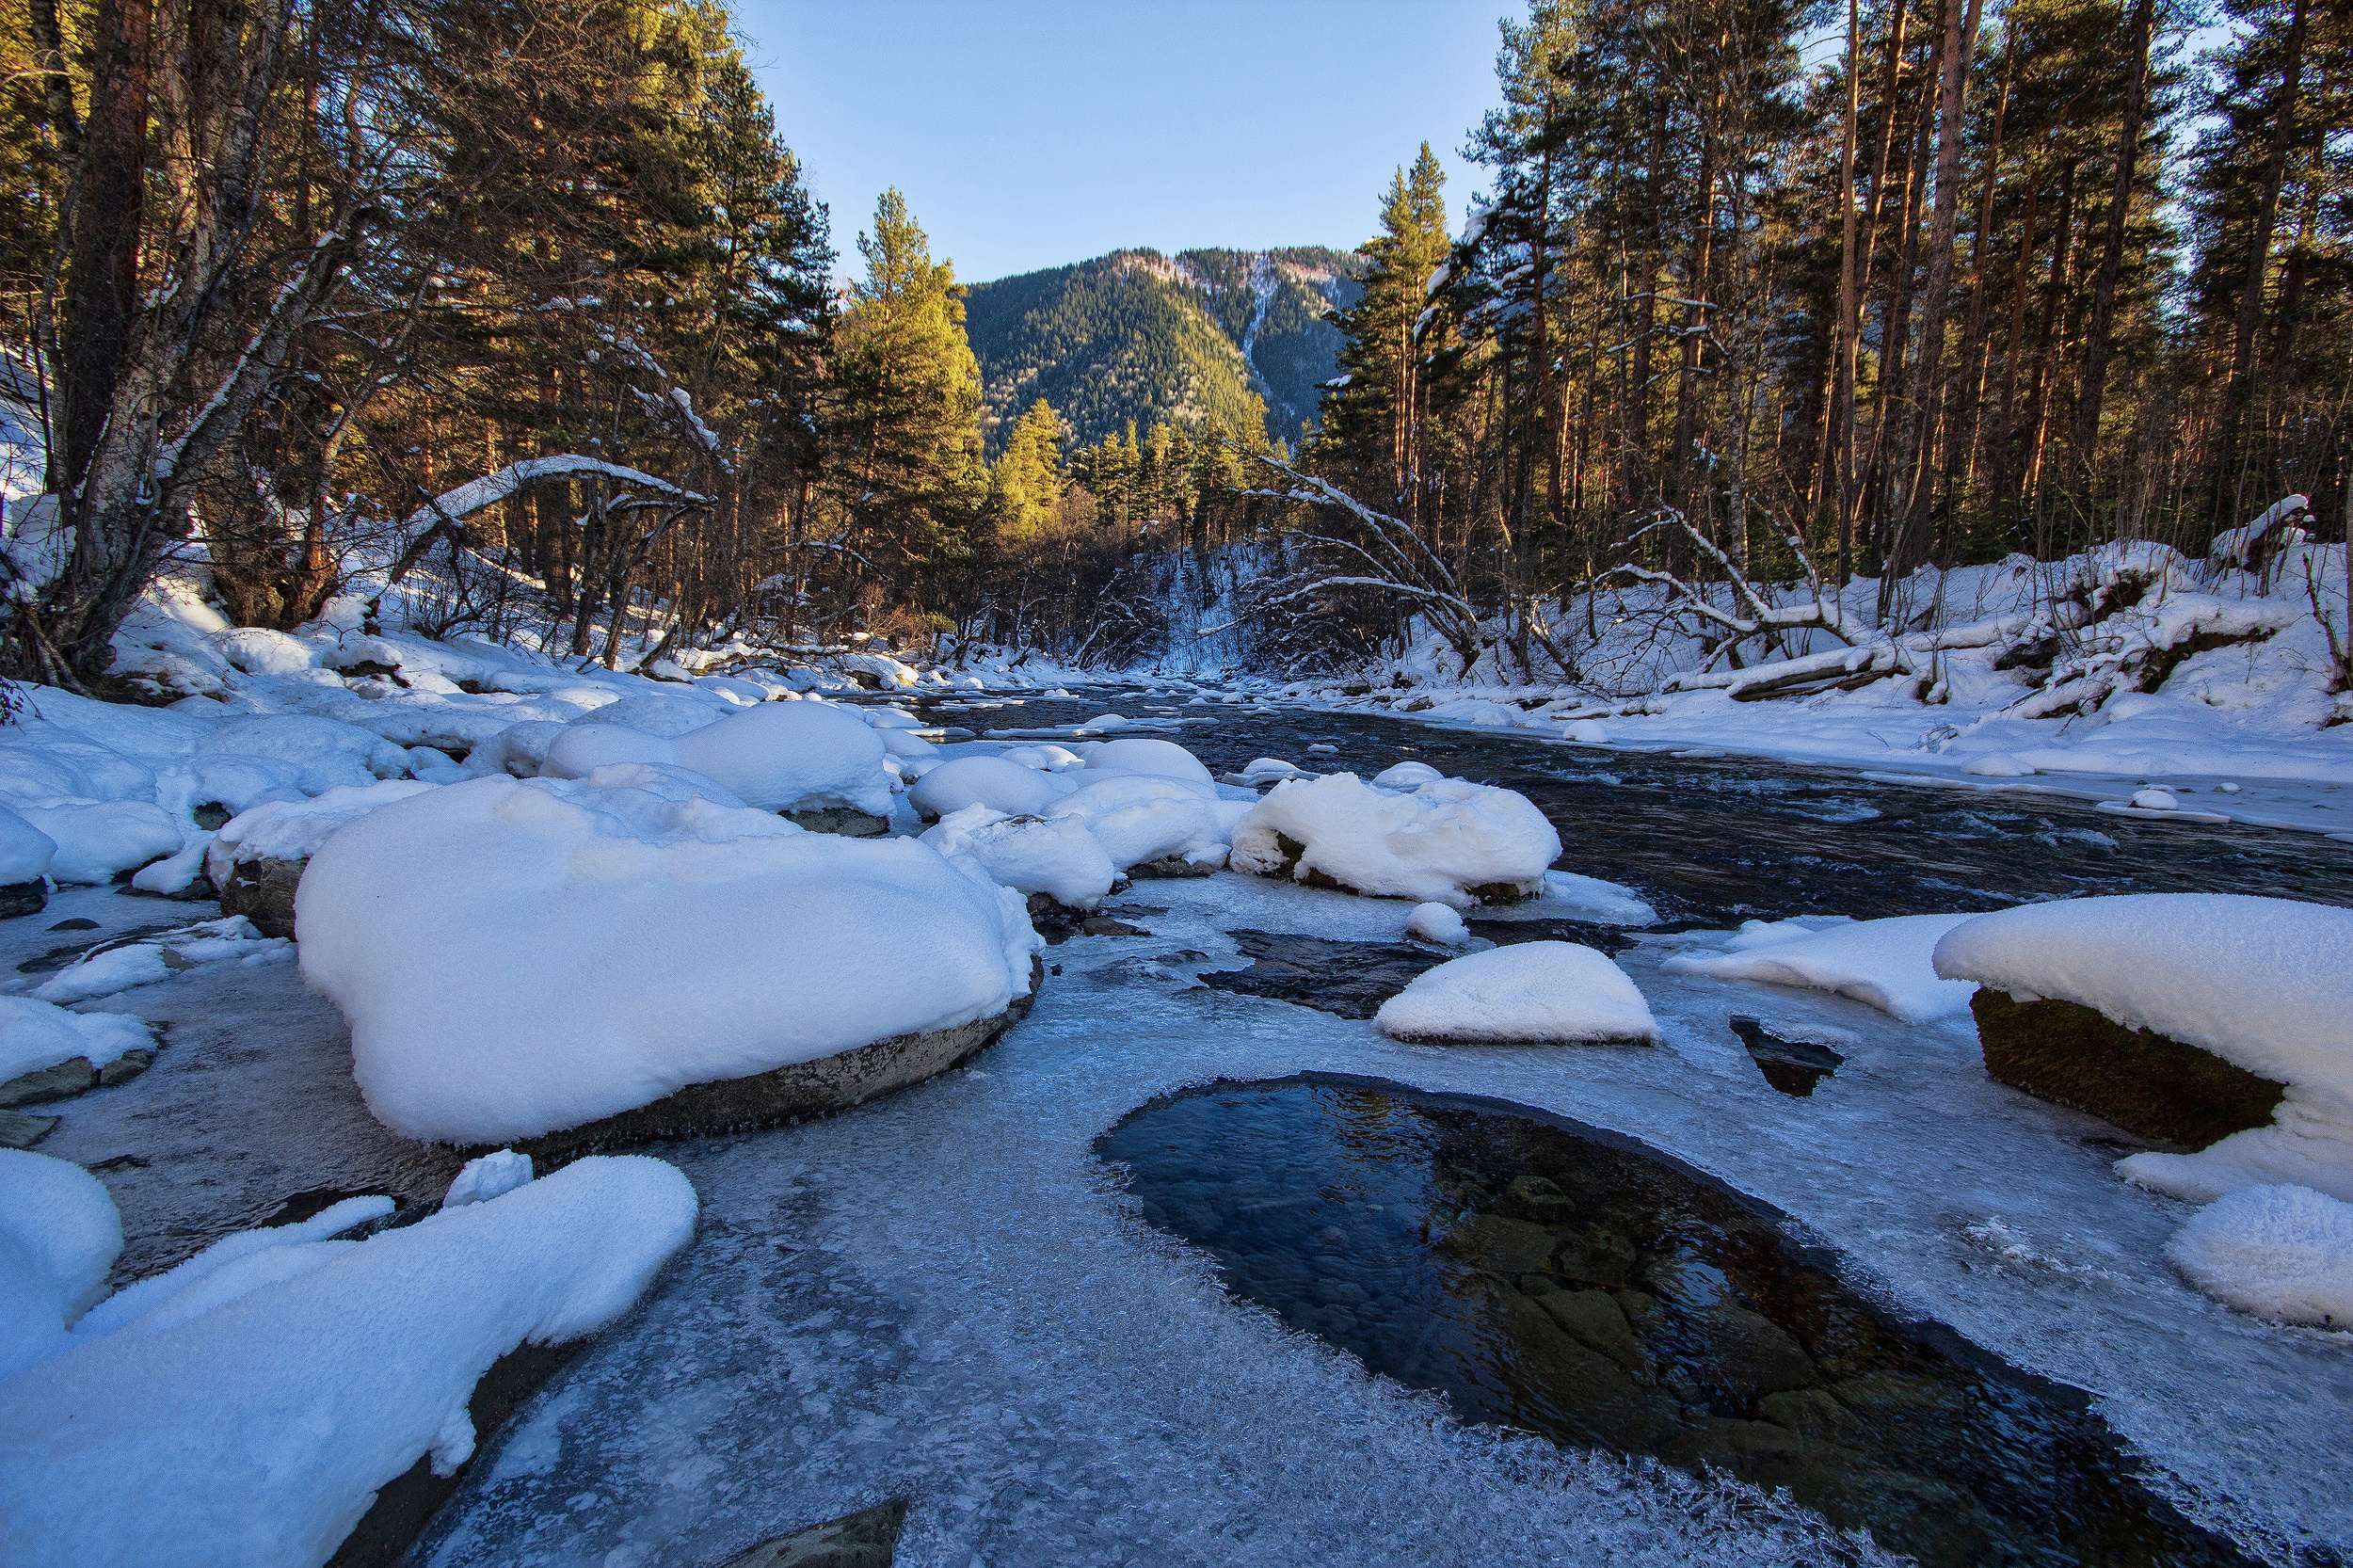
point(1574, 1284)
point(868, 1539)
point(2141, 1080)
point(1792, 1065)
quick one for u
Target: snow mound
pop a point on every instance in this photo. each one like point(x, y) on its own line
point(1438, 924)
point(519, 957)
point(1271, 769)
point(25, 851)
point(59, 1234)
point(322, 752)
point(98, 839)
point(1141, 817)
point(1153, 759)
point(37, 1034)
point(2309, 1142)
point(256, 1406)
point(1571, 896)
point(2278, 1251)
point(1034, 854)
point(1448, 840)
point(791, 755)
point(1889, 964)
point(119, 968)
point(581, 749)
point(991, 781)
point(1530, 992)
point(487, 1177)
point(2260, 981)
point(1406, 776)
point(295, 829)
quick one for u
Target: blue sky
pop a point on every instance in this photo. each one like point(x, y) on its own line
point(1031, 132)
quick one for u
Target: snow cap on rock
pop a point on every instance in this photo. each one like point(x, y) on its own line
point(791, 755)
point(1448, 840)
point(991, 781)
point(1528, 993)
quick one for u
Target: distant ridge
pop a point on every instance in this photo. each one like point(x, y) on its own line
point(1229, 336)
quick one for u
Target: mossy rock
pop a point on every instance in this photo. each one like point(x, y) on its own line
point(2143, 1081)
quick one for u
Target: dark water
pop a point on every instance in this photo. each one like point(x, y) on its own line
point(1576, 1285)
point(1726, 839)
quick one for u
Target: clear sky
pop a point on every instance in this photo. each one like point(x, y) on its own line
point(1031, 132)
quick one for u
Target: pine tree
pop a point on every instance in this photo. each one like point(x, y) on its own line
point(1027, 477)
point(1373, 417)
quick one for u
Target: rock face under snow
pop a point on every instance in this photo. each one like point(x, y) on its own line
point(1449, 841)
point(517, 959)
point(990, 781)
point(1529, 993)
point(245, 1408)
point(1142, 817)
point(1886, 963)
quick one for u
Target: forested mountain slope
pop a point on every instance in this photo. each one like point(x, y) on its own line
point(1207, 335)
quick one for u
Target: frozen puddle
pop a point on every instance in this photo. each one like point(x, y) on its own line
point(1579, 1286)
point(945, 1298)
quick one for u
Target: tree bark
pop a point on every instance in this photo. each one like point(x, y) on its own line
point(2102, 331)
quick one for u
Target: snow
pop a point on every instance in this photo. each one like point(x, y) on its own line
point(97, 839)
point(109, 969)
point(1438, 924)
point(1272, 770)
point(519, 957)
point(791, 755)
point(2259, 982)
point(25, 851)
point(38, 1034)
point(1569, 895)
point(1406, 776)
point(580, 749)
point(1545, 992)
point(58, 1236)
point(487, 1177)
point(2278, 1251)
point(1437, 841)
point(293, 830)
point(1889, 964)
point(248, 1414)
point(1054, 856)
point(1153, 759)
point(1139, 817)
point(322, 752)
point(990, 781)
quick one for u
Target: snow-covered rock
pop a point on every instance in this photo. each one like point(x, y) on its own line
point(1438, 924)
point(1406, 776)
point(322, 752)
point(1141, 756)
point(1448, 840)
point(107, 970)
point(37, 1034)
point(581, 748)
point(99, 838)
point(520, 958)
point(1271, 769)
point(1888, 964)
point(1142, 817)
point(293, 830)
point(792, 757)
point(1057, 857)
point(991, 781)
point(25, 851)
point(2279, 1252)
point(245, 1408)
point(1529, 993)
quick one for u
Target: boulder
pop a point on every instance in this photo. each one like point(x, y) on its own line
point(23, 898)
point(1171, 868)
point(262, 891)
point(2145, 1083)
point(799, 1092)
point(68, 1078)
point(847, 821)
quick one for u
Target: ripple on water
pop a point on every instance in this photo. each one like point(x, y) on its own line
point(1582, 1286)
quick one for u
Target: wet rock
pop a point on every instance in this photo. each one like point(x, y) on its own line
point(23, 898)
point(1814, 1413)
point(864, 1540)
point(1755, 1356)
point(1172, 867)
point(1791, 1064)
point(1348, 979)
point(1593, 1319)
point(68, 1078)
point(1595, 1255)
point(1595, 1398)
point(798, 1092)
point(847, 821)
point(262, 891)
point(78, 922)
point(1103, 925)
point(1538, 1198)
point(2143, 1082)
point(211, 816)
point(22, 1130)
point(123, 1068)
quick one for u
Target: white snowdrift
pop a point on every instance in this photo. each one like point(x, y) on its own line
point(97, 839)
point(38, 1034)
point(1438, 924)
point(1530, 993)
point(581, 749)
point(2284, 1253)
point(1032, 855)
point(1140, 817)
point(1887, 964)
point(295, 829)
point(1152, 759)
point(2261, 982)
point(59, 1234)
point(246, 1412)
point(25, 851)
point(1437, 842)
point(516, 958)
point(992, 781)
point(790, 757)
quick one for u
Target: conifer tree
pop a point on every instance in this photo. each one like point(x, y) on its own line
point(1373, 419)
point(1028, 478)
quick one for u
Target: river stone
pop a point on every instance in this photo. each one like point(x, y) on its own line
point(407, 1504)
point(262, 891)
point(23, 898)
point(1811, 1413)
point(123, 1068)
point(847, 821)
point(1592, 1319)
point(1756, 1356)
point(22, 1130)
point(864, 1540)
point(2143, 1081)
point(70, 1077)
point(1171, 868)
point(797, 1092)
point(1593, 1394)
point(1595, 1255)
point(1502, 1244)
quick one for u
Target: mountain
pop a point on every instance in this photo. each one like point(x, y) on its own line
point(1204, 335)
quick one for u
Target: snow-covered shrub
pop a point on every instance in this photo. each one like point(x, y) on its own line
point(517, 958)
point(1530, 992)
point(1449, 841)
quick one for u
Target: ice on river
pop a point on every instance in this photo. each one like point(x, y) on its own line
point(1886, 963)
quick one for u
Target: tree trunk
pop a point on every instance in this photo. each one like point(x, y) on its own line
point(2101, 332)
point(2250, 303)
